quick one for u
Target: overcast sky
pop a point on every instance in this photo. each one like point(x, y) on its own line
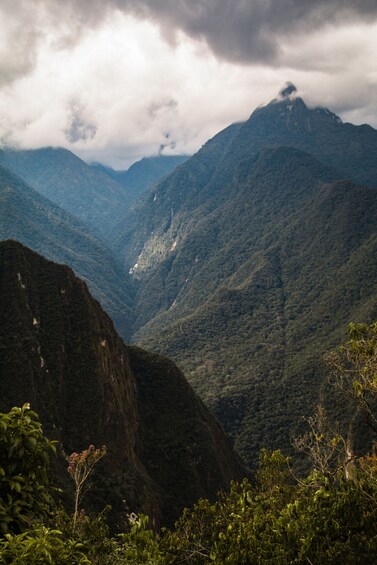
point(116, 80)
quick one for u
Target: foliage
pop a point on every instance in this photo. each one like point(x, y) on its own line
point(277, 523)
point(270, 522)
point(24, 458)
point(329, 516)
point(230, 530)
point(139, 545)
point(92, 534)
point(251, 259)
point(41, 545)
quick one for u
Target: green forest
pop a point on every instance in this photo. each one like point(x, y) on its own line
point(326, 516)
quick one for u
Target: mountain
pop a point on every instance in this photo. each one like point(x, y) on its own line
point(59, 175)
point(143, 173)
point(251, 258)
point(181, 191)
point(287, 121)
point(60, 352)
point(33, 220)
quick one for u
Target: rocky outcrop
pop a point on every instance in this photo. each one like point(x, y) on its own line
point(60, 352)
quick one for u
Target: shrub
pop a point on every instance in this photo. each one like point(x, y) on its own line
point(24, 458)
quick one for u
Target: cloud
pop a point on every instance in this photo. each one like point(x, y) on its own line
point(117, 80)
point(242, 31)
point(248, 31)
point(156, 108)
point(18, 42)
point(79, 128)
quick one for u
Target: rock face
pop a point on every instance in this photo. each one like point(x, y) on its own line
point(60, 352)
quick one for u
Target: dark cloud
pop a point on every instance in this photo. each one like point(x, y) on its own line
point(85, 49)
point(79, 128)
point(171, 144)
point(244, 31)
point(19, 38)
point(288, 89)
point(156, 108)
point(248, 31)
point(24, 25)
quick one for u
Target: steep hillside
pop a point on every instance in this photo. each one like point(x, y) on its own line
point(33, 220)
point(251, 259)
point(181, 192)
point(59, 175)
point(60, 352)
point(143, 173)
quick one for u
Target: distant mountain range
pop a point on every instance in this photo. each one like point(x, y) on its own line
point(59, 175)
point(59, 352)
point(144, 173)
point(251, 258)
point(97, 195)
point(73, 231)
point(28, 217)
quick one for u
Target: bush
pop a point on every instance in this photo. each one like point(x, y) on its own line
point(42, 545)
point(24, 458)
point(138, 546)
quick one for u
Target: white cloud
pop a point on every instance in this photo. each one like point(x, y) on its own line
point(118, 90)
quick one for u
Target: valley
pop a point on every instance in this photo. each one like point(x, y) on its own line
point(188, 282)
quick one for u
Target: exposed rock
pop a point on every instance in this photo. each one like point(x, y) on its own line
point(60, 352)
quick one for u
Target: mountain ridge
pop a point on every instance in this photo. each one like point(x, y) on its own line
point(143, 173)
point(60, 352)
point(243, 264)
point(32, 219)
point(58, 174)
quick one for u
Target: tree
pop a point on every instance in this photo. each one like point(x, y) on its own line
point(80, 466)
point(321, 518)
point(323, 443)
point(354, 369)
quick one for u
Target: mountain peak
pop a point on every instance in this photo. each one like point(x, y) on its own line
point(287, 91)
point(287, 96)
point(293, 109)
